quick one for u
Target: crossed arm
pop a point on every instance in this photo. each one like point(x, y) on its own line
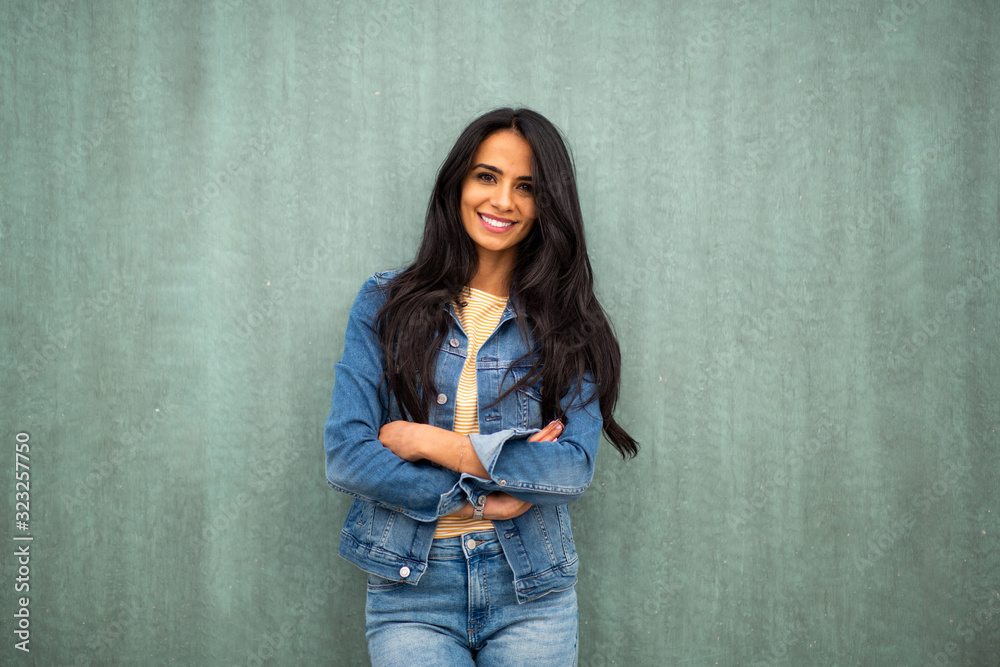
point(378, 461)
point(414, 442)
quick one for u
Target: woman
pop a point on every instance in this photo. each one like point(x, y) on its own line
point(467, 410)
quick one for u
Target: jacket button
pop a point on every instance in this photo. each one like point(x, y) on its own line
point(453, 342)
point(442, 399)
point(404, 572)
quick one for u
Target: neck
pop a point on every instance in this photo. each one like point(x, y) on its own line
point(494, 274)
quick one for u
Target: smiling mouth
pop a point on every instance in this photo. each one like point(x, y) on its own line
point(495, 223)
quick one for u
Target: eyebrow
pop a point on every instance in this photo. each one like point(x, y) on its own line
point(499, 171)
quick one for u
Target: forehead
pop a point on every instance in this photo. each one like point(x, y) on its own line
point(505, 149)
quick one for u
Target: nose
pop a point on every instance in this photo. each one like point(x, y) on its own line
point(501, 196)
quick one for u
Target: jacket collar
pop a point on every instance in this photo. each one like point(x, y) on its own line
point(509, 312)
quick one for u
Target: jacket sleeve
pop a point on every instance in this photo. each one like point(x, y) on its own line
point(356, 461)
point(545, 473)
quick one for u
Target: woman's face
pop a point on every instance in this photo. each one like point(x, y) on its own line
point(498, 202)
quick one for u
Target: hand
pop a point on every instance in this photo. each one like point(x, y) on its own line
point(549, 433)
point(402, 439)
point(499, 507)
point(415, 442)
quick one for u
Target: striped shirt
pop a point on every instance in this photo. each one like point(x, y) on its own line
point(479, 318)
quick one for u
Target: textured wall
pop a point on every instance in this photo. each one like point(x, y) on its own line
point(792, 211)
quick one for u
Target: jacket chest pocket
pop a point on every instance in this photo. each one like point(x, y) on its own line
point(528, 400)
point(529, 408)
point(521, 408)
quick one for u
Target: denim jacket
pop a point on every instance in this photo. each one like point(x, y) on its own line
point(391, 523)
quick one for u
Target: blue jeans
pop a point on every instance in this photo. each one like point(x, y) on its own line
point(464, 612)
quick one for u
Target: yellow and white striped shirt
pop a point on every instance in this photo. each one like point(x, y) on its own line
point(479, 319)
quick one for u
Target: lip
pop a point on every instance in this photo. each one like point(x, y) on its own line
point(483, 217)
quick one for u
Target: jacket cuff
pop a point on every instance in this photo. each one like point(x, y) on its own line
point(450, 502)
point(488, 447)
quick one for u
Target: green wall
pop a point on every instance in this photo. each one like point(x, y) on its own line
point(792, 212)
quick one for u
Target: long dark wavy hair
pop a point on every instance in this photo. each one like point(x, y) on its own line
point(552, 288)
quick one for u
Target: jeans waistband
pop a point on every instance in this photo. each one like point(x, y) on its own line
point(465, 545)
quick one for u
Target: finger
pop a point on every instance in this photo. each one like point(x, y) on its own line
point(544, 434)
point(550, 432)
point(540, 436)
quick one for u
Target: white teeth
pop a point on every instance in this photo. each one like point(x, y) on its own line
point(494, 223)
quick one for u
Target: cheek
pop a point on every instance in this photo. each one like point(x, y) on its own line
point(473, 189)
point(468, 208)
point(467, 194)
point(529, 209)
